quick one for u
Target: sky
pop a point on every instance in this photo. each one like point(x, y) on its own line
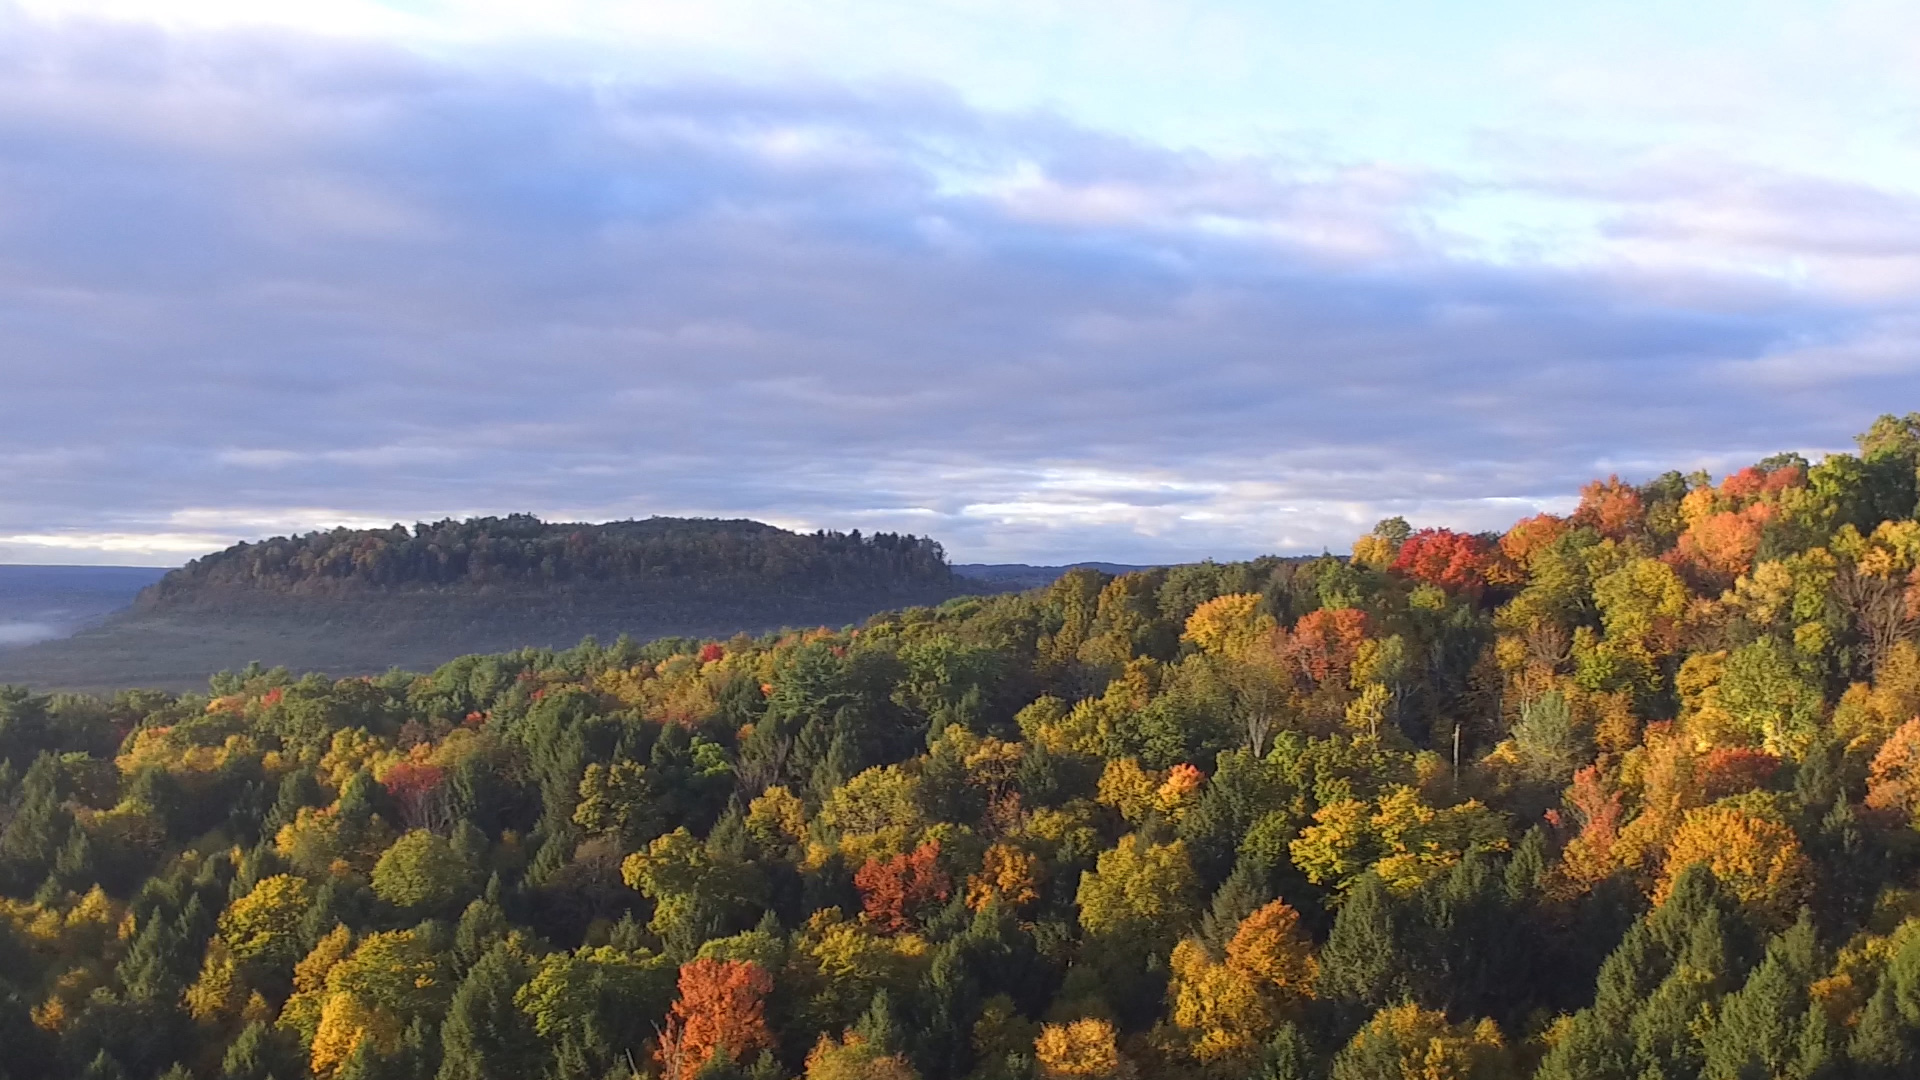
point(1048, 280)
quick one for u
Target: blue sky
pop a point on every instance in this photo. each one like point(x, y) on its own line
point(1061, 279)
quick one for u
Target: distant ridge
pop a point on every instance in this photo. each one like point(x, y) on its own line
point(521, 552)
point(358, 601)
point(1013, 577)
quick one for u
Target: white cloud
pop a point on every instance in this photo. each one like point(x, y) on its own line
point(450, 287)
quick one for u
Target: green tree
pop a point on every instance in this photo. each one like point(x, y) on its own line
point(422, 872)
point(261, 1052)
point(1140, 891)
point(485, 1035)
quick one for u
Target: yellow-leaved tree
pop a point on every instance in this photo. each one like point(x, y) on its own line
point(1230, 626)
point(1406, 1042)
point(1756, 859)
point(1085, 1049)
point(853, 1058)
point(1228, 1007)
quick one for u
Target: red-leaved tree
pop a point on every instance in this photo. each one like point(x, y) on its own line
point(1731, 770)
point(1454, 561)
point(893, 891)
point(415, 787)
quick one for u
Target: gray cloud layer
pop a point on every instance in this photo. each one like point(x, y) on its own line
point(251, 283)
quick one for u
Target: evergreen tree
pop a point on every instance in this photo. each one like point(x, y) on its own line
point(1881, 1047)
point(262, 1052)
point(1361, 963)
point(1240, 895)
point(485, 1035)
point(103, 1067)
point(1287, 1056)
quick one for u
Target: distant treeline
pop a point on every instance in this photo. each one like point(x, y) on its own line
point(522, 550)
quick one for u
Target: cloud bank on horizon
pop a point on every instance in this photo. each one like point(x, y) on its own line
point(1048, 281)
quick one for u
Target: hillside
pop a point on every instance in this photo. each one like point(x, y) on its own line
point(350, 601)
point(1626, 793)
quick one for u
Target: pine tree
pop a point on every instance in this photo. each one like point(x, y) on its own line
point(1244, 891)
point(1362, 960)
point(103, 1067)
point(1757, 1030)
point(1819, 1053)
point(262, 1052)
point(1880, 1048)
point(1287, 1056)
point(155, 965)
point(877, 1026)
point(480, 926)
point(1528, 867)
point(34, 834)
point(485, 1035)
point(73, 868)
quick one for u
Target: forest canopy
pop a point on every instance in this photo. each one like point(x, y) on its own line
point(1630, 792)
point(520, 550)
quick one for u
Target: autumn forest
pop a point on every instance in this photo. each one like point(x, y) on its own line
point(1629, 793)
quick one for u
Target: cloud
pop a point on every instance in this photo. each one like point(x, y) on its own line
point(257, 281)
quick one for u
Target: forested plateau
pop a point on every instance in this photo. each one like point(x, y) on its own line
point(1625, 794)
point(520, 550)
point(355, 601)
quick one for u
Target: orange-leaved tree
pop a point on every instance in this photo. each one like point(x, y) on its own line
point(721, 1009)
point(1755, 858)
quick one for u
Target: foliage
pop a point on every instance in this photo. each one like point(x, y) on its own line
point(1627, 793)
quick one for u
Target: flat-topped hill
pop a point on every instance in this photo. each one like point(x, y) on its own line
point(354, 601)
point(520, 553)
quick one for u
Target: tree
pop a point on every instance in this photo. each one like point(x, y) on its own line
point(1759, 861)
point(602, 1000)
point(1230, 1008)
point(1406, 1041)
point(855, 1058)
point(1893, 780)
point(1457, 562)
point(422, 872)
point(895, 891)
point(485, 1035)
point(1760, 1030)
point(264, 924)
point(1007, 874)
point(721, 1011)
point(1771, 695)
point(1364, 955)
point(350, 1025)
point(1398, 835)
point(1229, 626)
point(1140, 891)
point(1085, 1049)
point(618, 800)
point(696, 893)
point(1220, 1007)
point(1610, 508)
point(262, 1053)
point(416, 790)
point(1271, 948)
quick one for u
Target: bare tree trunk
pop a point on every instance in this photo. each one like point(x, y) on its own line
point(1879, 609)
